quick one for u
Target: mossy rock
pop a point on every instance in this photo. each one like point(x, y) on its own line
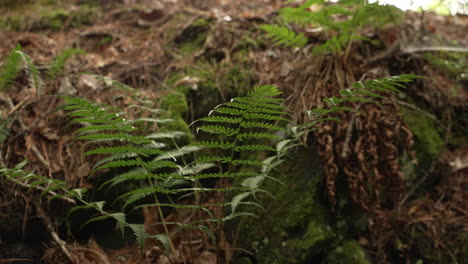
point(295, 227)
point(428, 139)
point(350, 252)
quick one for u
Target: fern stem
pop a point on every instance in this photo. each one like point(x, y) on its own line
point(166, 230)
point(160, 212)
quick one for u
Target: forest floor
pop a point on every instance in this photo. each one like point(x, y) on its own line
point(215, 47)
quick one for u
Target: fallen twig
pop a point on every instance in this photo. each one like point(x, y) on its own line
point(61, 243)
point(15, 259)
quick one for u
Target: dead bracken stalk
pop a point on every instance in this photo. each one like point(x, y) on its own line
point(50, 228)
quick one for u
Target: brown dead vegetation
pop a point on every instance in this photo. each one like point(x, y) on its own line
point(363, 150)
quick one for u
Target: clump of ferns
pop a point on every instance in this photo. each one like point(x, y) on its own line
point(17, 60)
point(240, 133)
point(147, 161)
point(244, 127)
point(354, 16)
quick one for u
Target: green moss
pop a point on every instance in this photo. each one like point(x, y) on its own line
point(428, 140)
point(317, 231)
point(193, 38)
point(11, 23)
point(193, 45)
point(216, 83)
point(295, 226)
point(54, 19)
point(46, 17)
point(201, 22)
point(176, 103)
point(349, 252)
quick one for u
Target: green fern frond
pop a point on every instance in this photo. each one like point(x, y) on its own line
point(227, 110)
point(265, 103)
point(219, 159)
point(160, 164)
point(222, 119)
point(369, 94)
point(101, 114)
point(223, 175)
point(59, 61)
point(165, 240)
point(217, 129)
point(266, 93)
point(116, 136)
point(34, 181)
point(139, 174)
point(12, 66)
point(299, 16)
point(91, 120)
point(34, 78)
point(99, 205)
point(139, 233)
point(132, 175)
point(10, 69)
point(363, 92)
point(216, 144)
point(119, 217)
point(359, 13)
point(151, 120)
point(140, 193)
point(253, 147)
point(235, 215)
point(281, 35)
point(333, 45)
point(122, 163)
point(261, 116)
point(143, 160)
point(252, 107)
point(98, 128)
point(257, 135)
point(194, 169)
point(114, 157)
point(85, 107)
point(250, 124)
point(207, 190)
point(167, 135)
point(174, 154)
point(238, 162)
